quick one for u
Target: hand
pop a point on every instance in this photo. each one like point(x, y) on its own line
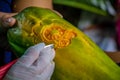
point(6, 21)
point(36, 64)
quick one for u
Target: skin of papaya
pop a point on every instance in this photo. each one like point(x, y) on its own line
point(77, 56)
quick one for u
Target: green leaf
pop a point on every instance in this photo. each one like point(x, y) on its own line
point(95, 6)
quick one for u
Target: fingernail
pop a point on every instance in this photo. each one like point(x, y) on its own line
point(8, 20)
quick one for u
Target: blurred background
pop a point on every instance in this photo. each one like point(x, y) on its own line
point(99, 19)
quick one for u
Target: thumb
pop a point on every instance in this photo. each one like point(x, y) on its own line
point(7, 20)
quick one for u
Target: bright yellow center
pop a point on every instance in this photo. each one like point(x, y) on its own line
point(57, 35)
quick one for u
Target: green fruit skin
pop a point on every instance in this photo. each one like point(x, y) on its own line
point(82, 59)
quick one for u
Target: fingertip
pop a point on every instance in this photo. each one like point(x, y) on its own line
point(39, 46)
point(31, 54)
point(35, 50)
point(9, 22)
point(48, 53)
